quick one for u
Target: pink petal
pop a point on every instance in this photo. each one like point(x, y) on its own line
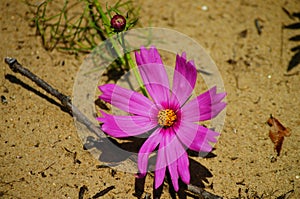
point(148, 56)
point(146, 149)
point(127, 100)
point(125, 126)
point(207, 113)
point(196, 137)
point(162, 159)
point(185, 76)
point(174, 175)
point(183, 168)
point(168, 144)
point(160, 166)
point(159, 176)
point(153, 74)
point(211, 96)
point(206, 106)
point(170, 150)
point(171, 144)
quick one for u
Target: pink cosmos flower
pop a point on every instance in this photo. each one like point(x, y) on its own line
point(169, 115)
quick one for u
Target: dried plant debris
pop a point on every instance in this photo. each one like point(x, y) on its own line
point(82, 190)
point(277, 133)
point(286, 195)
point(103, 192)
point(295, 60)
point(78, 26)
point(258, 25)
point(3, 99)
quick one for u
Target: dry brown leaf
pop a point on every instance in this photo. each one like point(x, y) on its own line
point(277, 133)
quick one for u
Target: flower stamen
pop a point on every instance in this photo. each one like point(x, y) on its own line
point(166, 118)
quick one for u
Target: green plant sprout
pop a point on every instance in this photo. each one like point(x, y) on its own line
point(80, 26)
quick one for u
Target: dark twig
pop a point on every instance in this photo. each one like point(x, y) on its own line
point(66, 102)
point(258, 26)
point(202, 192)
point(103, 192)
point(287, 13)
point(82, 190)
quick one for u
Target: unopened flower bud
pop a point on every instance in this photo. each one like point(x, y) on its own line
point(118, 23)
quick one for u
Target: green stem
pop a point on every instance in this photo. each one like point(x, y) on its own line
point(109, 32)
point(128, 60)
point(132, 66)
point(136, 74)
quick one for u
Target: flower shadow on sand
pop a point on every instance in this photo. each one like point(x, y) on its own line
point(114, 153)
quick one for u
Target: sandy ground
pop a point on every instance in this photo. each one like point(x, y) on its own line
point(38, 140)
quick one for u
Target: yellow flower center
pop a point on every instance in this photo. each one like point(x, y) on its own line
point(166, 118)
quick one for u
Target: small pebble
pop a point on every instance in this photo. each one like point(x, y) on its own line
point(3, 99)
point(204, 8)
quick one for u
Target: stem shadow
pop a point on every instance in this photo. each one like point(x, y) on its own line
point(13, 79)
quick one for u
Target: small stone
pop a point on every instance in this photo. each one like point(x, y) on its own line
point(204, 8)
